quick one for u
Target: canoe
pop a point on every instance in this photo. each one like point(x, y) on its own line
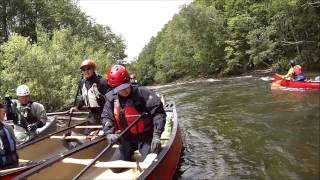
point(49, 127)
point(51, 124)
point(278, 80)
point(69, 164)
point(39, 150)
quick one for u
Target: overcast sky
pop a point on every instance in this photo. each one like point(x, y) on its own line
point(135, 20)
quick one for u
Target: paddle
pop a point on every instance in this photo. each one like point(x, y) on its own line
point(58, 113)
point(74, 103)
point(108, 147)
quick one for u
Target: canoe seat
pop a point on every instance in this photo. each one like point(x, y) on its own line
point(114, 164)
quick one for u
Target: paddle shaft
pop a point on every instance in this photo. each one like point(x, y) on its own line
point(108, 147)
point(74, 102)
point(58, 113)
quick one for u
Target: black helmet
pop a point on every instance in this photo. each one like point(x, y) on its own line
point(132, 76)
point(292, 62)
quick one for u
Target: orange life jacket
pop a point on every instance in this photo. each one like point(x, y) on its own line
point(297, 69)
point(130, 114)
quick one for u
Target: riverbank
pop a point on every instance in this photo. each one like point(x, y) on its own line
point(256, 73)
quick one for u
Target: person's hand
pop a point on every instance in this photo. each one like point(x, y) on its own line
point(32, 127)
point(74, 109)
point(113, 138)
point(155, 144)
point(91, 137)
point(94, 134)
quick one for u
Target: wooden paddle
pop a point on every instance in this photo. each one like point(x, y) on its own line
point(108, 147)
point(89, 127)
point(65, 113)
point(69, 137)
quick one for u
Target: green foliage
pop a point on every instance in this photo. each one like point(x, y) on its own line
point(24, 17)
point(231, 37)
point(50, 67)
point(189, 45)
point(42, 44)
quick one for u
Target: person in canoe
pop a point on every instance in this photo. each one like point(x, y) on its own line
point(295, 72)
point(8, 152)
point(124, 104)
point(133, 79)
point(27, 115)
point(92, 87)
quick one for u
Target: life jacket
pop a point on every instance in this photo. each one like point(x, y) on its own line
point(126, 115)
point(297, 70)
point(25, 111)
point(24, 115)
point(90, 95)
point(8, 151)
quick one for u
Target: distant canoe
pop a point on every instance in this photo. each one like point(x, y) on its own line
point(278, 80)
point(69, 164)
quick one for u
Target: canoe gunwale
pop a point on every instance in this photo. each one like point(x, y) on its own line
point(19, 169)
point(173, 137)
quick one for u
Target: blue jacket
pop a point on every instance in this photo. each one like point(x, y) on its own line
point(8, 150)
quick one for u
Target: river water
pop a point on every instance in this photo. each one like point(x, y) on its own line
point(237, 128)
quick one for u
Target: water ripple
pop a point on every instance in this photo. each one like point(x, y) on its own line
point(236, 128)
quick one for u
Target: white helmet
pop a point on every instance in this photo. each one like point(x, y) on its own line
point(23, 90)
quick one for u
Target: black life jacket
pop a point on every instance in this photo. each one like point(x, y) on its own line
point(24, 115)
point(8, 151)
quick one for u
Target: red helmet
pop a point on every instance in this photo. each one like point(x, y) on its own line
point(88, 62)
point(117, 75)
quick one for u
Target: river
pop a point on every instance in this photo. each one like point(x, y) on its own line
point(237, 128)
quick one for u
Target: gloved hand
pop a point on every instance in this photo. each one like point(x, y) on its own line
point(155, 144)
point(113, 138)
point(32, 127)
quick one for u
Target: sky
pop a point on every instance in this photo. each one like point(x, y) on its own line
point(135, 20)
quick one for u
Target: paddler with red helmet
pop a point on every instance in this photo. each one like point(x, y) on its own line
point(123, 105)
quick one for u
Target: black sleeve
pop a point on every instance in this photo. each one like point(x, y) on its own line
point(154, 108)
point(107, 117)
point(10, 110)
point(104, 87)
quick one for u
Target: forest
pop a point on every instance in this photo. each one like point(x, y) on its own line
point(231, 37)
point(42, 43)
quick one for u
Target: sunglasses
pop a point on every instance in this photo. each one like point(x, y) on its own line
point(86, 68)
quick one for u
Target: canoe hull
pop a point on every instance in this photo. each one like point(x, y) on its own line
point(169, 164)
point(169, 158)
point(296, 84)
